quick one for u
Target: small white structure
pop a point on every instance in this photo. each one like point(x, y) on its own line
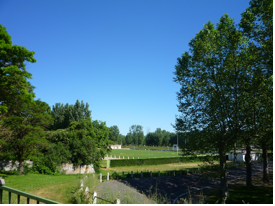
point(117, 146)
point(241, 156)
point(175, 147)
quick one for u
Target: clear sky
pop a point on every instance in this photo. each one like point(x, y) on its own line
point(117, 55)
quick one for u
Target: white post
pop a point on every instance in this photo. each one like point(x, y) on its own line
point(115, 156)
point(141, 174)
point(86, 192)
point(138, 157)
point(94, 197)
point(128, 157)
point(151, 173)
point(123, 157)
point(159, 173)
point(108, 176)
point(100, 177)
point(187, 171)
point(174, 172)
point(119, 157)
point(166, 173)
point(133, 158)
point(131, 174)
point(177, 144)
point(122, 174)
point(117, 201)
point(107, 155)
point(111, 156)
point(81, 184)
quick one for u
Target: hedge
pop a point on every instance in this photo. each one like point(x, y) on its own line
point(158, 161)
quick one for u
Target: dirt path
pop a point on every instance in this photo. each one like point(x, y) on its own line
point(175, 186)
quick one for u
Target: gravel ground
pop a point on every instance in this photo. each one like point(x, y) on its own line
point(173, 186)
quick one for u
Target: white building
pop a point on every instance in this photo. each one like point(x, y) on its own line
point(117, 146)
point(175, 147)
point(241, 156)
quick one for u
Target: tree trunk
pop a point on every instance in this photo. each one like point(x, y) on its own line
point(21, 166)
point(248, 167)
point(223, 174)
point(235, 154)
point(265, 165)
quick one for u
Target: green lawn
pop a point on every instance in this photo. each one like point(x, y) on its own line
point(141, 154)
point(57, 188)
point(150, 147)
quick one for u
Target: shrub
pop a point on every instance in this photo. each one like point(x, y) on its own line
point(157, 161)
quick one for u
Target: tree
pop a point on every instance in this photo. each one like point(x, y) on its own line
point(13, 74)
point(86, 142)
point(114, 134)
point(257, 25)
point(27, 129)
point(207, 98)
point(136, 134)
point(65, 114)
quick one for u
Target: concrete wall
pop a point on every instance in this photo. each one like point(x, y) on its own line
point(7, 165)
point(70, 169)
point(65, 167)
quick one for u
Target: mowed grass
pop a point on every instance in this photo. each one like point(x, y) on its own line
point(150, 147)
point(57, 188)
point(141, 154)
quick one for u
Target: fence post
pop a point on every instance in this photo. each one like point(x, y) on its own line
point(107, 155)
point(100, 177)
point(133, 158)
point(131, 174)
point(111, 156)
point(187, 171)
point(108, 176)
point(141, 174)
point(81, 184)
point(166, 173)
point(115, 156)
point(138, 157)
point(123, 157)
point(174, 172)
point(122, 174)
point(86, 192)
point(128, 157)
point(198, 170)
point(180, 172)
point(151, 173)
point(94, 197)
point(159, 173)
point(117, 201)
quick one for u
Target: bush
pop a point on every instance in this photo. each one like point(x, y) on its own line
point(158, 161)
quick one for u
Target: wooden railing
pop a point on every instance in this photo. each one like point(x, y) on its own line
point(21, 193)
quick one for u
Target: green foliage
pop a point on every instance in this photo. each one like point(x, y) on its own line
point(26, 132)
point(158, 161)
point(13, 75)
point(135, 135)
point(65, 114)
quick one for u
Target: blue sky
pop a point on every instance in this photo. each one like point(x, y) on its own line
point(119, 56)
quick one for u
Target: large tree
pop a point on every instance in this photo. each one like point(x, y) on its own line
point(207, 99)
point(135, 135)
point(257, 25)
point(114, 134)
point(27, 128)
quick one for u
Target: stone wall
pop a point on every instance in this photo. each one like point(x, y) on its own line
point(65, 167)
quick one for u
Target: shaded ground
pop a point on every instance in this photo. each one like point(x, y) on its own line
point(175, 186)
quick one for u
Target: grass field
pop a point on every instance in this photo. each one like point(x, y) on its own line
point(57, 188)
point(142, 154)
